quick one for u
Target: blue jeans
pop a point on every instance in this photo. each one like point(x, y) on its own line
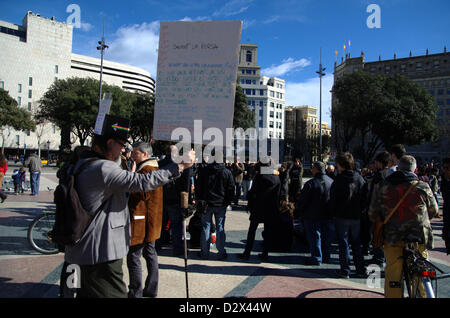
point(318, 234)
point(136, 290)
point(34, 181)
point(205, 237)
point(348, 231)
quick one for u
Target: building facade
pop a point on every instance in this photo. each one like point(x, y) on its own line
point(430, 71)
point(35, 54)
point(303, 132)
point(266, 95)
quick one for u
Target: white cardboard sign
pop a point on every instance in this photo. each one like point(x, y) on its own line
point(196, 76)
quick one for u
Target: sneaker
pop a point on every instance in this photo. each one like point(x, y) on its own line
point(342, 274)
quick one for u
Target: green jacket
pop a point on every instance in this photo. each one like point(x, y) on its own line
point(411, 221)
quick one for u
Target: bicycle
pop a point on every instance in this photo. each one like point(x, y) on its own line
point(39, 234)
point(419, 272)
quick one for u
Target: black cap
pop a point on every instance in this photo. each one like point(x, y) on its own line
point(116, 127)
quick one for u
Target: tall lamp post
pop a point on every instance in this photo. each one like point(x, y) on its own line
point(321, 74)
point(102, 48)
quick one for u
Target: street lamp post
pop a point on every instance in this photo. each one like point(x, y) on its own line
point(321, 74)
point(102, 48)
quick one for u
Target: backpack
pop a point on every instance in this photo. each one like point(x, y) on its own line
point(71, 219)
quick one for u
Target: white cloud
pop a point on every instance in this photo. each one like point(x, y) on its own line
point(85, 26)
point(233, 7)
point(285, 67)
point(308, 93)
point(136, 45)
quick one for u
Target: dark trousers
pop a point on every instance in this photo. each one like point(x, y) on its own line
point(251, 236)
point(136, 290)
point(104, 280)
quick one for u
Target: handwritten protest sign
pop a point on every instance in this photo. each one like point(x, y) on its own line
point(196, 77)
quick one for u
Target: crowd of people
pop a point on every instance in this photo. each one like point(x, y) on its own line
point(141, 203)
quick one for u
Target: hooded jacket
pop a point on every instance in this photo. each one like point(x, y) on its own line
point(347, 195)
point(215, 185)
point(411, 221)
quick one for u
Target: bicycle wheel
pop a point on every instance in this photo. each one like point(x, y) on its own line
point(38, 234)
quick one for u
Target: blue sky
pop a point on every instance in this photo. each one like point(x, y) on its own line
point(289, 33)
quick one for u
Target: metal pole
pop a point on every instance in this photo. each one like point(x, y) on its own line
point(102, 48)
point(321, 73)
point(185, 258)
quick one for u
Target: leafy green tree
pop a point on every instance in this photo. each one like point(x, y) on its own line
point(373, 111)
point(72, 104)
point(142, 115)
point(243, 117)
point(13, 117)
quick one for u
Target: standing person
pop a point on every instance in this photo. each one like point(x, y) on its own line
point(215, 186)
point(34, 165)
point(264, 202)
point(312, 206)
point(18, 177)
point(445, 192)
point(296, 180)
point(237, 169)
point(3, 169)
point(146, 220)
point(409, 223)
point(249, 175)
point(101, 187)
point(381, 173)
point(174, 194)
point(396, 152)
point(347, 200)
point(284, 181)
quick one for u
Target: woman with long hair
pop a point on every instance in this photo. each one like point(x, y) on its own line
point(3, 168)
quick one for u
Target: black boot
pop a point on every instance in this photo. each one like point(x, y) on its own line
point(2, 196)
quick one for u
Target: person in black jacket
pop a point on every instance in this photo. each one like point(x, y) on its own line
point(312, 206)
point(263, 203)
point(172, 205)
point(347, 200)
point(215, 185)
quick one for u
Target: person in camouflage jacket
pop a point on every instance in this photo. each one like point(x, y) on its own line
point(409, 223)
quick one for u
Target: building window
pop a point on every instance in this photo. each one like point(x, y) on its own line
point(54, 129)
point(261, 92)
point(29, 106)
point(271, 114)
point(436, 64)
point(440, 102)
point(30, 81)
point(17, 140)
point(261, 103)
point(431, 91)
point(418, 66)
point(19, 101)
point(440, 92)
point(281, 96)
point(28, 132)
point(30, 93)
point(448, 101)
point(248, 71)
point(19, 88)
point(271, 104)
point(272, 93)
point(56, 69)
point(2, 84)
point(271, 124)
point(248, 56)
